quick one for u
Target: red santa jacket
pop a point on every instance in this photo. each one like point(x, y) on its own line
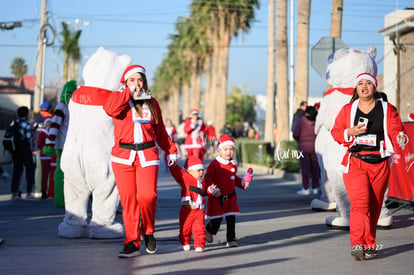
point(223, 173)
point(185, 180)
point(345, 120)
point(130, 128)
point(195, 134)
point(41, 141)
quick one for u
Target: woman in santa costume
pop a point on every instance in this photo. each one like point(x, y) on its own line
point(194, 143)
point(369, 128)
point(222, 175)
point(192, 203)
point(138, 124)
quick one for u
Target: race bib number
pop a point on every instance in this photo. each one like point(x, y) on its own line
point(367, 140)
point(146, 115)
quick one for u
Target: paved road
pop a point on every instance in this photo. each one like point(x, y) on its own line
point(278, 234)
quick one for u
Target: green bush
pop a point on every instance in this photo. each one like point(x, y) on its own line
point(254, 151)
point(287, 156)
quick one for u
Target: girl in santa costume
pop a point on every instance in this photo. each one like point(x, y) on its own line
point(192, 203)
point(369, 128)
point(221, 174)
point(138, 124)
point(194, 143)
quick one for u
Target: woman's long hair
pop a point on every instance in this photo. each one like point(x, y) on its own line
point(138, 103)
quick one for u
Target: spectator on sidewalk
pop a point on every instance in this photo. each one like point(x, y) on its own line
point(298, 114)
point(304, 134)
point(22, 154)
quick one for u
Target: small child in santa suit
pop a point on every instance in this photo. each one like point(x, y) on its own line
point(192, 199)
point(221, 174)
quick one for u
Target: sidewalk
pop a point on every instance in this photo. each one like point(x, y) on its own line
point(278, 234)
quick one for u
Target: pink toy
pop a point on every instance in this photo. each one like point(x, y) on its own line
point(249, 175)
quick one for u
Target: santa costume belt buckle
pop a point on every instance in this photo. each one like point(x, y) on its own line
point(225, 198)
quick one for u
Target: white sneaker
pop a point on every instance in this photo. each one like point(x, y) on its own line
point(199, 249)
point(232, 244)
point(303, 192)
point(315, 191)
point(186, 247)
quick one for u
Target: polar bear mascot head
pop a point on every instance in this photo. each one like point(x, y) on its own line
point(341, 72)
point(86, 155)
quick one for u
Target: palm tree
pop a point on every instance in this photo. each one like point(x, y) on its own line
point(270, 107)
point(18, 69)
point(302, 52)
point(71, 51)
point(225, 19)
point(282, 72)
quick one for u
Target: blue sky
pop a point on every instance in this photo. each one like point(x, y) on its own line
point(140, 28)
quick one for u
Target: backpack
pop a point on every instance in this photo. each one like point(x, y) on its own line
point(8, 139)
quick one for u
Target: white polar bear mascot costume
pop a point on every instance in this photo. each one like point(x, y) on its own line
point(341, 73)
point(86, 158)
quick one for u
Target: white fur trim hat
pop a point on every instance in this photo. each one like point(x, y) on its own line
point(411, 117)
point(130, 70)
point(194, 163)
point(225, 140)
point(194, 112)
point(366, 76)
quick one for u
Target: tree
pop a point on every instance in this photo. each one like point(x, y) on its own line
point(225, 19)
point(240, 107)
point(282, 72)
point(302, 53)
point(18, 68)
point(71, 51)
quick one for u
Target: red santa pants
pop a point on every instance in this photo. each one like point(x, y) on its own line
point(192, 222)
point(45, 164)
point(365, 184)
point(137, 187)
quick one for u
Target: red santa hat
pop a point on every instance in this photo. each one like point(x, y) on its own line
point(411, 117)
point(130, 70)
point(194, 112)
point(317, 105)
point(194, 163)
point(366, 76)
point(225, 140)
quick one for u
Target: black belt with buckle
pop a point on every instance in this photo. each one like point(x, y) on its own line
point(137, 146)
point(226, 197)
point(373, 159)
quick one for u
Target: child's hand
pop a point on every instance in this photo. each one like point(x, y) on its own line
point(217, 193)
point(246, 184)
point(172, 162)
point(214, 190)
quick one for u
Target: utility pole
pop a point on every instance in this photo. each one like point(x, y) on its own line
point(41, 51)
point(292, 65)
